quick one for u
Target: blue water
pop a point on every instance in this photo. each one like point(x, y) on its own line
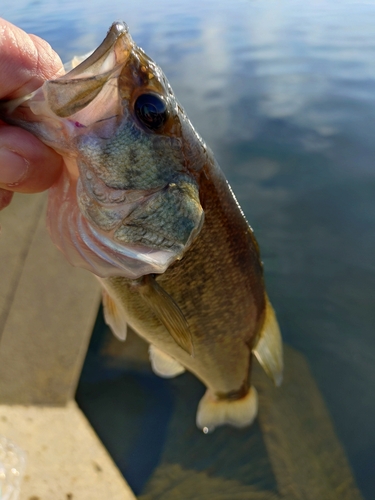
point(284, 93)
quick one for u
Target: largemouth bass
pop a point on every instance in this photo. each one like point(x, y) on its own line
point(144, 206)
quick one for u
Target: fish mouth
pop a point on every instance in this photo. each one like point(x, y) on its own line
point(64, 107)
point(113, 51)
point(75, 91)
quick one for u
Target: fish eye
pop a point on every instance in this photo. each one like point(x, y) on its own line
point(151, 110)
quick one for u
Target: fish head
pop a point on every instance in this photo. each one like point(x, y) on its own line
point(128, 202)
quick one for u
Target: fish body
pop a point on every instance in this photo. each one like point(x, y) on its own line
point(143, 205)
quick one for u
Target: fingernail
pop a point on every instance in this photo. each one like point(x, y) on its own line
point(13, 167)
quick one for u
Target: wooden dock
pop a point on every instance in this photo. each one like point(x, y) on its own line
point(47, 311)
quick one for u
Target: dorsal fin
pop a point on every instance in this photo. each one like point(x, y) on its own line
point(269, 349)
point(168, 312)
point(114, 316)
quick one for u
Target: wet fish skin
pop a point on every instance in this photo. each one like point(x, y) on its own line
point(219, 287)
point(147, 209)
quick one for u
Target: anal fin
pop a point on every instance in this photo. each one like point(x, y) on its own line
point(114, 316)
point(269, 349)
point(213, 412)
point(164, 365)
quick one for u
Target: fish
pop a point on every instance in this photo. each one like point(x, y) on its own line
point(143, 205)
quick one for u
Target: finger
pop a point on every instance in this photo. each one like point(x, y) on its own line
point(26, 61)
point(5, 198)
point(26, 164)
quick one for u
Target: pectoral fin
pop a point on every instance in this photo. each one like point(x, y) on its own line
point(269, 349)
point(168, 312)
point(114, 316)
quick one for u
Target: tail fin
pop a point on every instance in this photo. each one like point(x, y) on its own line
point(213, 412)
point(269, 349)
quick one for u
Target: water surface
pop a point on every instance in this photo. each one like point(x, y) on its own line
point(284, 93)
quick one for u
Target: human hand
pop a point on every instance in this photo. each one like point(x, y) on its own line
point(26, 164)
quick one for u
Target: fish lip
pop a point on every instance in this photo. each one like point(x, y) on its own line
point(118, 27)
point(112, 44)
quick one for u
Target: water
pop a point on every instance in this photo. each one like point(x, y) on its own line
point(284, 93)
